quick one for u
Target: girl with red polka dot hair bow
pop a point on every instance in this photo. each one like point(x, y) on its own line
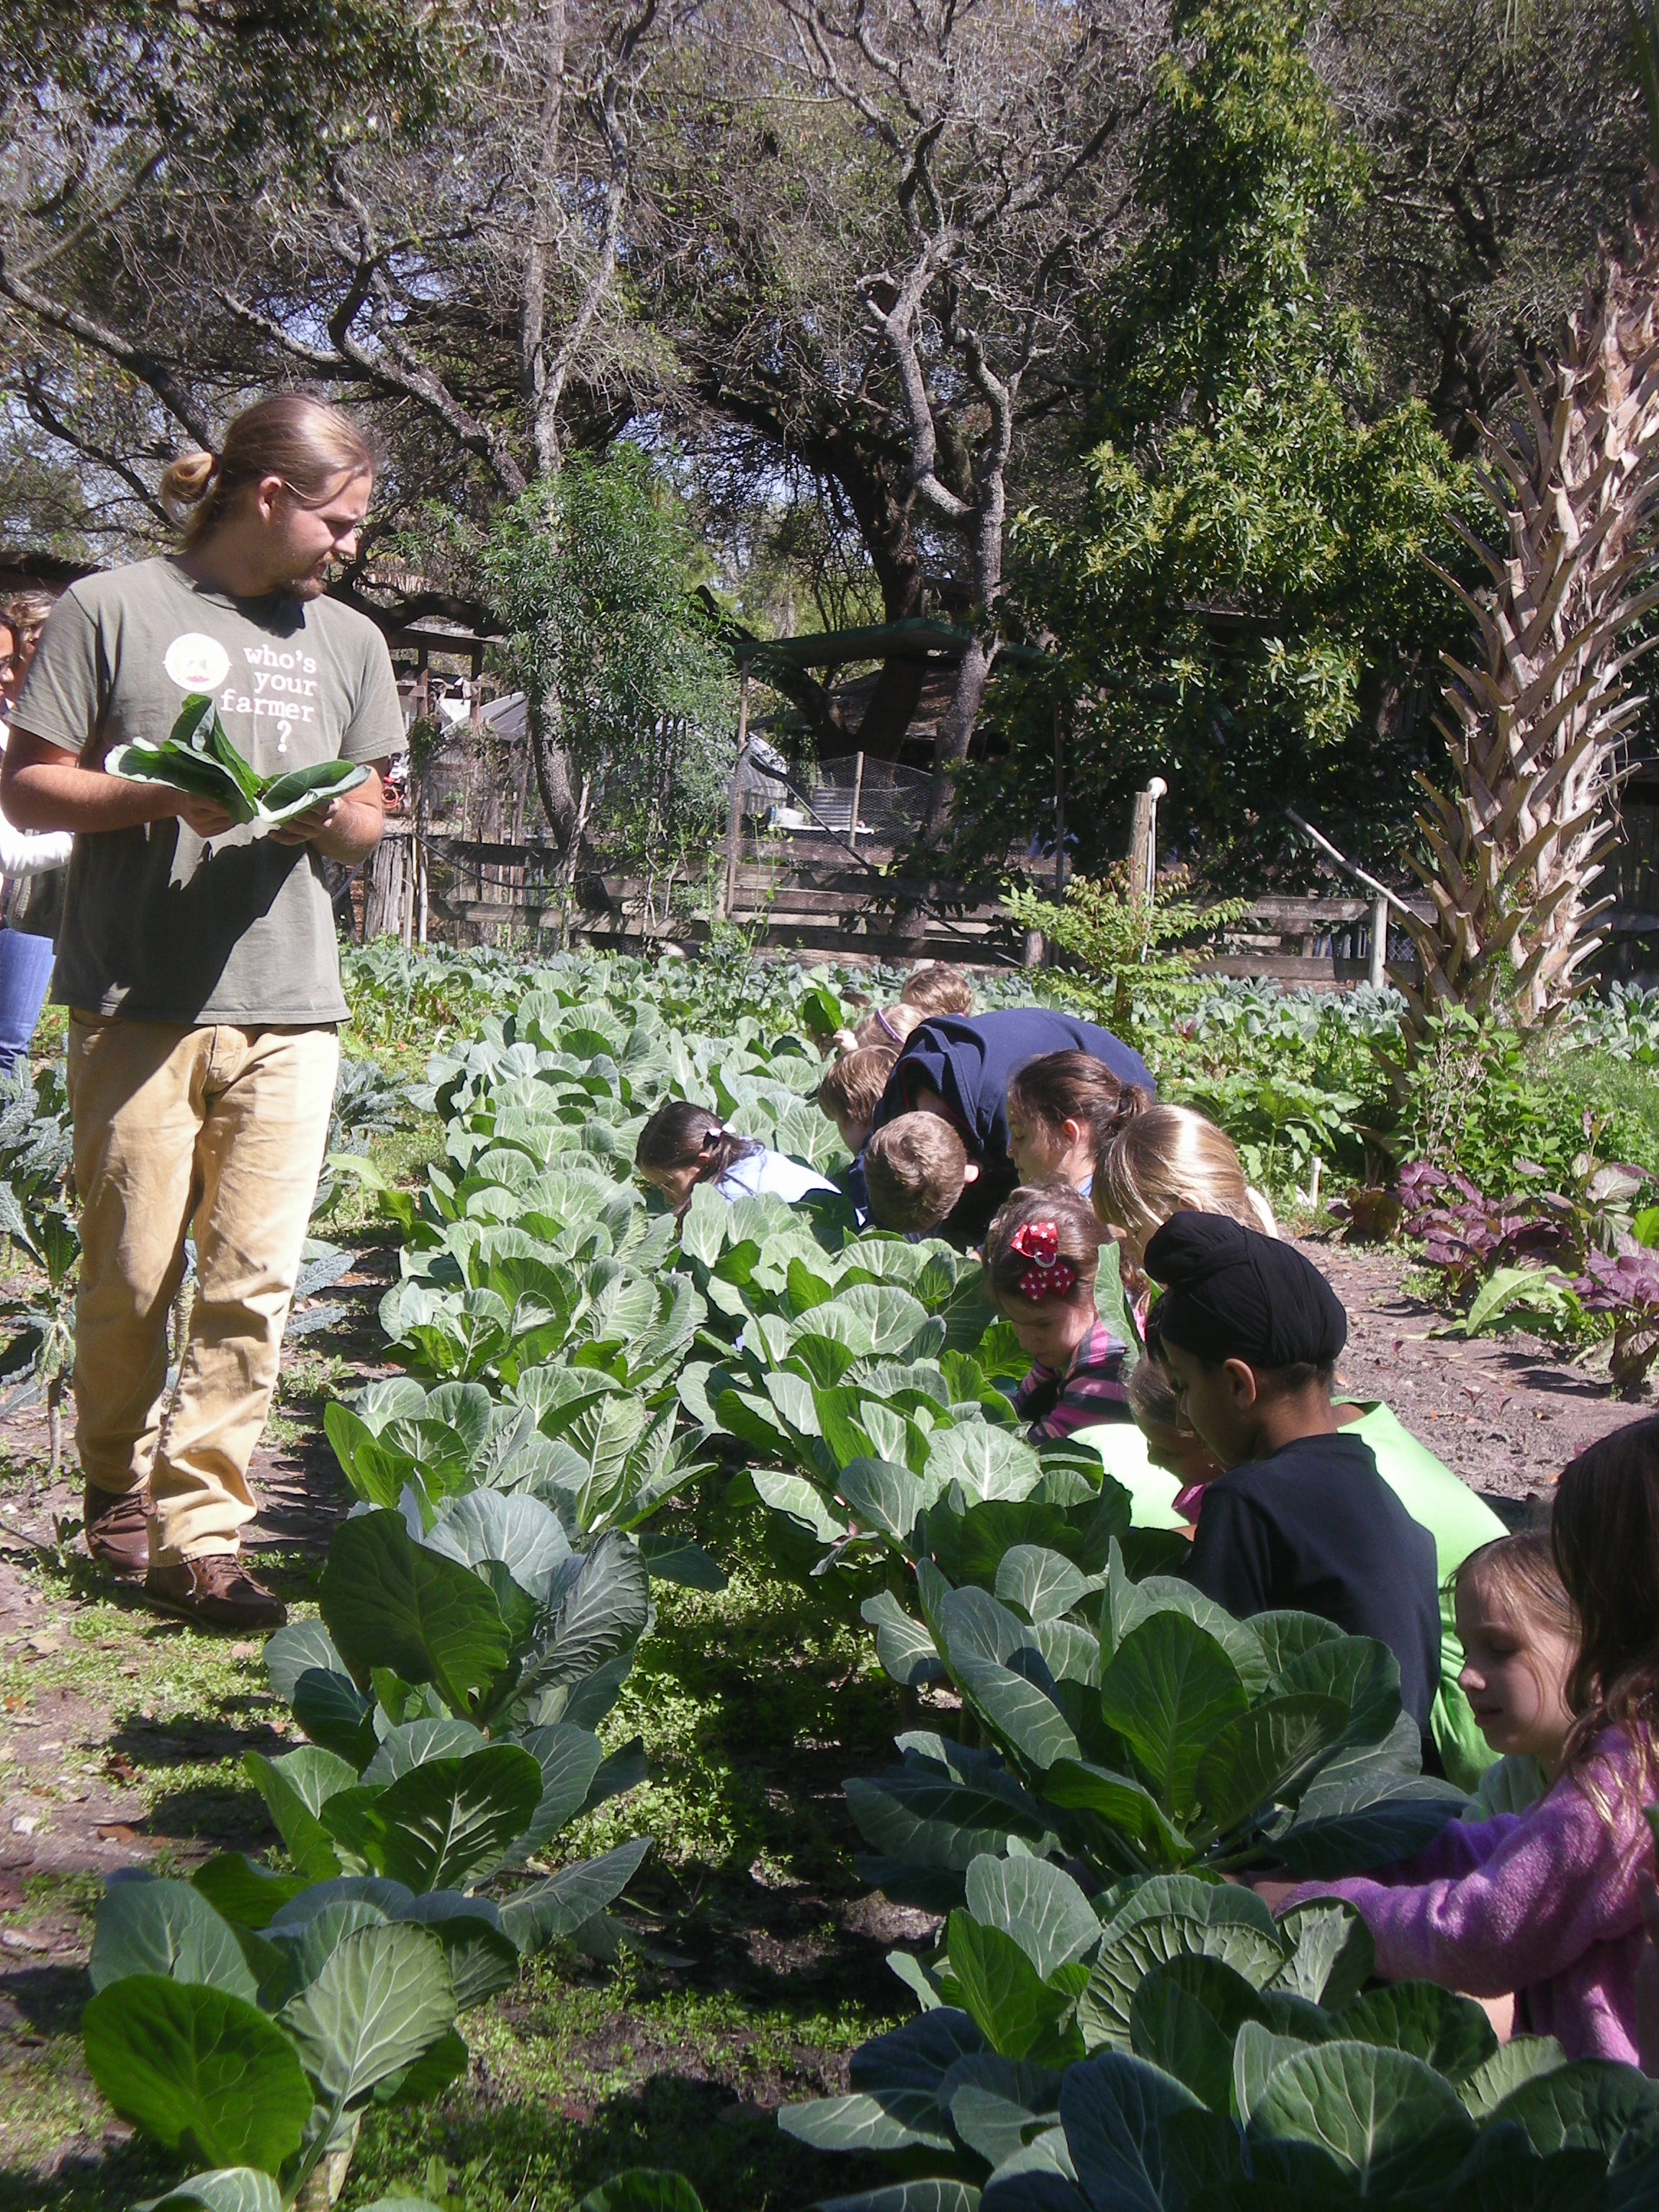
point(1042, 1260)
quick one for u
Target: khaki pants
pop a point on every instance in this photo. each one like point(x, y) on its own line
point(217, 1132)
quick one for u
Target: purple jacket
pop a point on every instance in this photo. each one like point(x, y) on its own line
point(1545, 1903)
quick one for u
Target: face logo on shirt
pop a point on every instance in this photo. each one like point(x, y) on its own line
point(197, 663)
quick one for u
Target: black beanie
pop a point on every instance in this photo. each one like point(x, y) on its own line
point(1232, 1293)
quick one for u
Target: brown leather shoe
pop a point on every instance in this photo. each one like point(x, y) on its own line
point(118, 1528)
point(216, 1592)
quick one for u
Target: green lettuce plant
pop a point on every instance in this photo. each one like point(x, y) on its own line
point(197, 757)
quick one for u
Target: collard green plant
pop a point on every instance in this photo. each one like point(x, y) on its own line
point(198, 758)
point(1137, 1729)
point(451, 1692)
point(1168, 2045)
point(253, 2041)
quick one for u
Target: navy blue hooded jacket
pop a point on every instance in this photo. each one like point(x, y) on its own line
point(969, 1059)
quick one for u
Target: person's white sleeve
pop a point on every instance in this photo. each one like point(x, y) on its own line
point(30, 852)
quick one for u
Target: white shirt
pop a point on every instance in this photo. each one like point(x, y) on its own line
point(28, 851)
point(769, 1174)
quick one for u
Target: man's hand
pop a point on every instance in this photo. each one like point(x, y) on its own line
point(344, 828)
point(311, 827)
point(206, 818)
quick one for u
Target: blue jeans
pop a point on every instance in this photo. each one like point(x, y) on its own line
point(25, 979)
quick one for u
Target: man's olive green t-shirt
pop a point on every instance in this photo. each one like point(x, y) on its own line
point(159, 925)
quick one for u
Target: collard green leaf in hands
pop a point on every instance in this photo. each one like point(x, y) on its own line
point(167, 1928)
point(446, 1823)
point(1392, 1817)
point(1038, 1904)
point(193, 774)
point(383, 1996)
point(1332, 1957)
point(285, 796)
point(1169, 1690)
point(390, 1602)
point(197, 2069)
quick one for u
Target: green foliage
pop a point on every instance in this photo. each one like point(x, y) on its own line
point(590, 575)
point(1129, 968)
point(1245, 576)
point(1177, 2046)
point(255, 2044)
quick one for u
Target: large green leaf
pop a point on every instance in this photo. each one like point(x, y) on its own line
point(1259, 1756)
point(559, 1906)
point(226, 2189)
point(413, 1742)
point(995, 2103)
point(1125, 1821)
point(445, 1823)
point(295, 1650)
point(295, 1787)
point(1509, 2066)
point(1038, 1904)
point(382, 1997)
point(881, 1495)
point(902, 1644)
point(1447, 2032)
point(243, 1891)
point(1585, 2105)
point(198, 2068)
point(1115, 2111)
point(1184, 2017)
point(989, 1463)
point(569, 1757)
point(1169, 1690)
point(1042, 1583)
point(167, 1928)
point(390, 1602)
point(1388, 2118)
point(1166, 1917)
point(642, 2189)
point(482, 1957)
point(1019, 2014)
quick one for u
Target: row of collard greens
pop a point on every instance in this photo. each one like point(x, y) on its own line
point(1105, 2021)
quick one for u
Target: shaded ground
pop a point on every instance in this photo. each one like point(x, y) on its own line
point(121, 1736)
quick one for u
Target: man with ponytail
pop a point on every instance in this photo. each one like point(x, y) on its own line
point(199, 964)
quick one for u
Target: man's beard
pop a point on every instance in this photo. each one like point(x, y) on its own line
point(312, 586)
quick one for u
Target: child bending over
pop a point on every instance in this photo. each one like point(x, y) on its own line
point(1042, 1253)
point(1549, 1902)
point(849, 1094)
point(682, 1146)
point(1248, 1332)
point(937, 988)
point(1062, 1107)
point(1166, 1160)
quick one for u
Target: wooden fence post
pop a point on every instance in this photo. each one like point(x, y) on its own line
point(1140, 835)
point(1379, 971)
point(858, 798)
point(734, 819)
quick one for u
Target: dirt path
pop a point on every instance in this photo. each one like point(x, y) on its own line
point(1507, 1412)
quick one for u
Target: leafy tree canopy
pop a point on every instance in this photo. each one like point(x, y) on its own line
point(1240, 593)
